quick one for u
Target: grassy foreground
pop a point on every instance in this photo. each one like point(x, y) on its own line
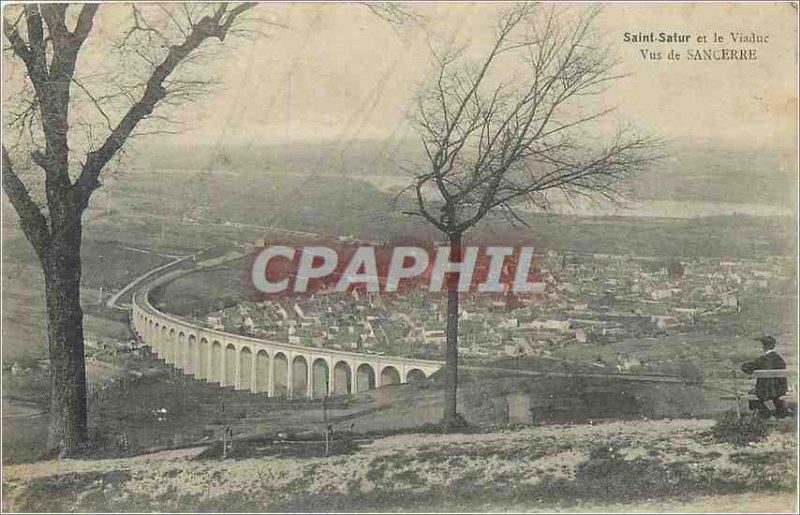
point(649, 465)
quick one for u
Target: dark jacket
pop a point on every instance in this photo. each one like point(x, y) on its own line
point(770, 387)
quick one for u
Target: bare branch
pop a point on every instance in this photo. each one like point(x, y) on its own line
point(396, 14)
point(494, 142)
point(23, 51)
point(94, 101)
point(214, 25)
point(34, 224)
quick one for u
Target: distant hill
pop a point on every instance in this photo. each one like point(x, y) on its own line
point(338, 206)
point(720, 173)
point(724, 174)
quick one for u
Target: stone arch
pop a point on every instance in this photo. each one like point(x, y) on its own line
point(415, 376)
point(230, 366)
point(215, 367)
point(201, 372)
point(262, 371)
point(320, 379)
point(280, 373)
point(365, 378)
point(161, 336)
point(299, 376)
point(342, 379)
point(173, 346)
point(245, 369)
point(178, 350)
point(164, 346)
point(190, 358)
point(389, 376)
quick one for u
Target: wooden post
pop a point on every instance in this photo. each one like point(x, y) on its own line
point(309, 377)
point(227, 441)
point(736, 394)
point(325, 418)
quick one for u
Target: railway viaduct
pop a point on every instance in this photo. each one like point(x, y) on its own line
point(263, 366)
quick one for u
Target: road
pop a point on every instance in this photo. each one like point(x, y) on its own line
point(112, 302)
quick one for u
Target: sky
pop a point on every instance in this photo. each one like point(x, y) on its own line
point(337, 72)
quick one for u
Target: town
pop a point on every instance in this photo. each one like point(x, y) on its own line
point(589, 298)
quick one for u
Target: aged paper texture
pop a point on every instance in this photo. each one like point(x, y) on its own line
point(399, 257)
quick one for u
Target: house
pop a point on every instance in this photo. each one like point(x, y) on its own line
point(434, 337)
point(730, 300)
point(508, 323)
point(626, 363)
point(662, 322)
point(248, 327)
point(660, 294)
point(216, 323)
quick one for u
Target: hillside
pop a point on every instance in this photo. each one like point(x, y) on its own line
point(618, 466)
point(139, 404)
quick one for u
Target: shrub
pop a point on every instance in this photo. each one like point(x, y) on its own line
point(739, 430)
point(606, 474)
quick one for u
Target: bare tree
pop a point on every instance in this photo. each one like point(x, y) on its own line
point(48, 40)
point(506, 131)
point(396, 14)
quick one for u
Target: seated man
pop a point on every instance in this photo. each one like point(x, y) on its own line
point(769, 388)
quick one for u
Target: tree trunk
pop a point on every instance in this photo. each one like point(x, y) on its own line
point(451, 351)
point(62, 271)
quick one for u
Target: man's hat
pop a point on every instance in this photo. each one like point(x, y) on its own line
point(767, 340)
